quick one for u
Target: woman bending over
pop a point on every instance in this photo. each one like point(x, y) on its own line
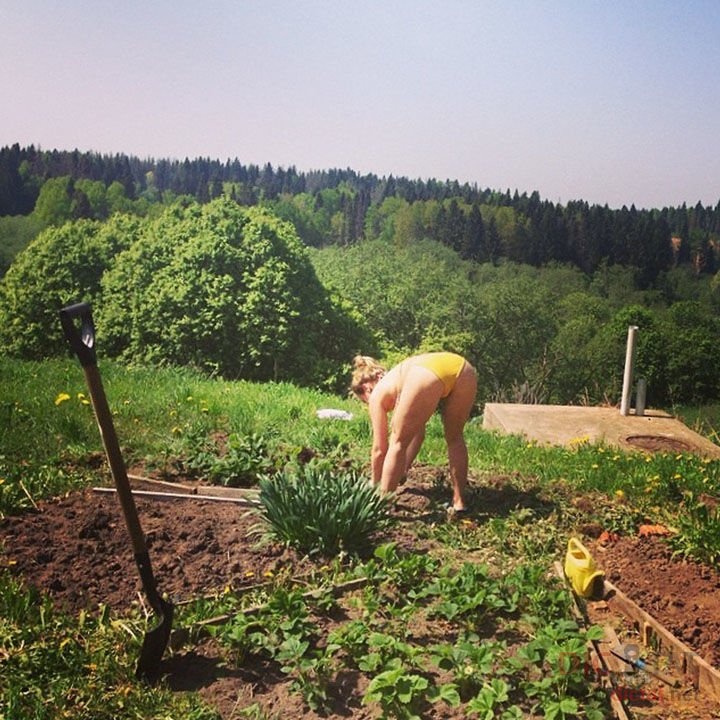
point(412, 391)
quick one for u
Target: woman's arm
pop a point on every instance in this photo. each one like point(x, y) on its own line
point(379, 422)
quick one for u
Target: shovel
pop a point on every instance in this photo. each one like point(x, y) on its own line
point(82, 342)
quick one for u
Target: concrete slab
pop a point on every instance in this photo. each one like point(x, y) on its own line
point(571, 424)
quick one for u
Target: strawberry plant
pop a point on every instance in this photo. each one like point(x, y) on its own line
point(470, 661)
point(400, 694)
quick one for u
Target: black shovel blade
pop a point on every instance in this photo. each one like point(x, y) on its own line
point(155, 642)
point(156, 639)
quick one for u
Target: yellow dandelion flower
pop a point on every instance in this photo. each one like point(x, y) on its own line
point(268, 573)
point(2, 480)
point(176, 430)
point(249, 573)
point(677, 476)
point(61, 398)
point(594, 466)
point(620, 494)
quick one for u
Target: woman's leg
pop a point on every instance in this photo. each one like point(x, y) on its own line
point(414, 449)
point(418, 400)
point(455, 414)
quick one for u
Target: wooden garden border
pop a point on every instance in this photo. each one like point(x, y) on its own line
point(703, 676)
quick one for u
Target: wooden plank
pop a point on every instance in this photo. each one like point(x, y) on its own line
point(703, 676)
point(228, 492)
point(214, 490)
point(245, 501)
point(609, 642)
point(159, 484)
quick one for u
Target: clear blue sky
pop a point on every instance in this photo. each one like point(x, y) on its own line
point(605, 101)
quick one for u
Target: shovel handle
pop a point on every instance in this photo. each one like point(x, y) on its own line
point(82, 342)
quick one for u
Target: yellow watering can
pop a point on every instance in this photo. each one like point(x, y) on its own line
point(581, 571)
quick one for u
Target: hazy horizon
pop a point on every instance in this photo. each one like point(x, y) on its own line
point(610, 103)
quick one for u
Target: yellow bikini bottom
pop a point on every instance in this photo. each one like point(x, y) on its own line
point(445, 365)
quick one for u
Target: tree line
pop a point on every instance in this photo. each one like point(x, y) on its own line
point(341, 207)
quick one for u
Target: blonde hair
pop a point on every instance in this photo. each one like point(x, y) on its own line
point(365, 370)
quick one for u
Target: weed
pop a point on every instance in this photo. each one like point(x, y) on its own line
point(698, 533)
point(85, 662)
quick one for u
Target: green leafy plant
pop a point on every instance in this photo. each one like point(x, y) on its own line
point(539, 597)
point(468, 595)
point(320, 512)
point(310, 668)
point(489, 700)
point(556, 665)
point(698, 533)
point(384, 650)
point(86, 662)
point(399, 693)
point(470, 661)
point(407, 571)
point(283, 632)
point(352, 638)
point(241, 461)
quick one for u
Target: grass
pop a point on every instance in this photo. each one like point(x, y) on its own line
point(55, 666)
point(177, 420)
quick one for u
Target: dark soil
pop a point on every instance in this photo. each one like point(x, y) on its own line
point(76, 549)
point(683, 595)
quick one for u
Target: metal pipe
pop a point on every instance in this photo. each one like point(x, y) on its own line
point(640, 397)
point(628, 375)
